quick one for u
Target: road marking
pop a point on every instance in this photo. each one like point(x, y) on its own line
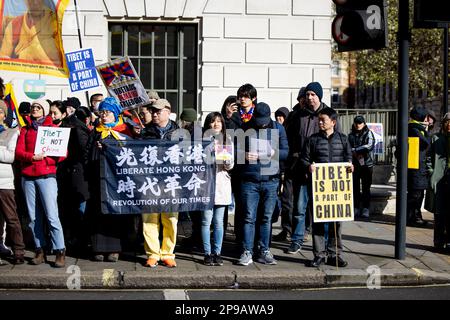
point(175, 294)
point(418, 272)
point(108, 277)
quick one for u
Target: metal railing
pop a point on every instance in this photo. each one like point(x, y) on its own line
point(385, 116)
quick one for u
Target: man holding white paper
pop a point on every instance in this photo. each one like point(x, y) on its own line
point(265, 146)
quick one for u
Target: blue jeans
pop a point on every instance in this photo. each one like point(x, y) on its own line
point(299, 216)
point(41, 198)
point(254, 195)
point(215, 216)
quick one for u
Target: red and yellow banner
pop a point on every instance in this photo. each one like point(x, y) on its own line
point(31, 36)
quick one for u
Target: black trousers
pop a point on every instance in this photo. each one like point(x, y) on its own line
point(442, 218)
point(362, 180)
point(414, 204)
point(8, 211)
point(287, 204)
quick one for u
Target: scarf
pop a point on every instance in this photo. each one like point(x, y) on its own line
point(35, 124)
point(108, 129)
point(246, 117)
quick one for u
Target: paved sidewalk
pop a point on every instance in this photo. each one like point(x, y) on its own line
point(366, 243)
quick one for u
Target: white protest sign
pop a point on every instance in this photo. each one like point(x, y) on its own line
point(52, 141)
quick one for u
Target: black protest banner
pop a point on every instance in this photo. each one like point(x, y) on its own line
point(145, 176)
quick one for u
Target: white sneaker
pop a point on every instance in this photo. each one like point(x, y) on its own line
point(365, 213)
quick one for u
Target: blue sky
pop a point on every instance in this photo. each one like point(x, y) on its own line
point(18, 7)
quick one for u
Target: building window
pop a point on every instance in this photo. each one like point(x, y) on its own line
point(335, 70)
point(335, 95)
point(165, 57)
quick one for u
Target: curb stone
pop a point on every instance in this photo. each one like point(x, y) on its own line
point(230, 280)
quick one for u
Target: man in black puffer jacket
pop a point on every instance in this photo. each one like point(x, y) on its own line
point(418, 178)
point(328, 145)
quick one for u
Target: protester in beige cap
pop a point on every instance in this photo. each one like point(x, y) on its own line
point(161, 128)
point(153, 95)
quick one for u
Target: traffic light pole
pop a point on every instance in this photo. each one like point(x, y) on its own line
point(402, 135)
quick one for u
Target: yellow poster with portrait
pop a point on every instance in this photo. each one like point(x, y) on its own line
point(31, 36)
point(332, 191)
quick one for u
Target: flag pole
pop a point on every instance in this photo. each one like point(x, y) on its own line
point(81, 46)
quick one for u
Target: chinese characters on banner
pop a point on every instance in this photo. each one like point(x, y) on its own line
point(30, 36)
point(123, 83)
point(332, 187)
point(156, 176)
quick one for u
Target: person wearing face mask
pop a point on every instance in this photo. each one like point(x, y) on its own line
point(72, 181)
point(362, 142)
point(57, 112)
point(40, 186)
point(258, 156)
point(94, 102)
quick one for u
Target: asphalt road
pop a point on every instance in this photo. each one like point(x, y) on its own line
point(364, 294)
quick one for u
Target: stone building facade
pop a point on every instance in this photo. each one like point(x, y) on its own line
point(197, 52)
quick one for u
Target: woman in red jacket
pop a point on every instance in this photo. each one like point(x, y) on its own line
point(39, 185)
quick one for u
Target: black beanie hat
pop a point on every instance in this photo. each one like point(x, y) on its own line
point(359, 120)
point(316, 88)
point(283, 111)
point(418, 113)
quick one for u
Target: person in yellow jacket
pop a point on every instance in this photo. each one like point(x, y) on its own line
point(33, 36)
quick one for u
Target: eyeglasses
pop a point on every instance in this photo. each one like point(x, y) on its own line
point(104, 113)
point(35, 106)
point(157, 111)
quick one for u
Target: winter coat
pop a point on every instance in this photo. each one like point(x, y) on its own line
point(92, 161)
point(301, 125)
point(267, 170)
point(72, 172)
point(152, 131)
point(25, 152)
point(362, 143)
point(8, 142)
point(436, 197)
point(320, 149)
point(418, 178)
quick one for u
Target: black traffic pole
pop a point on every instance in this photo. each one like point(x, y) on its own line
point(402, 133)
point(445, 94)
